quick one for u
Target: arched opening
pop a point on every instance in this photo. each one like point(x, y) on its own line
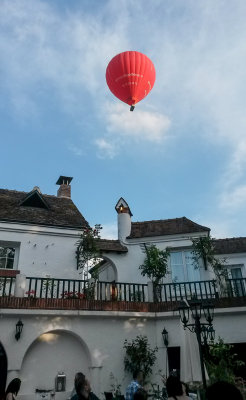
point(107, 271)
point(3, 371)
point(53, 353)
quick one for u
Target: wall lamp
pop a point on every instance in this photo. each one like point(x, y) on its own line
point(165, 337)
point(18, 329)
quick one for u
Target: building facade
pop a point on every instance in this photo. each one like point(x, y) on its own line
point(67, 328)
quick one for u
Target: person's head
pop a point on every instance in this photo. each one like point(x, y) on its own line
point(223, 390)
point(174, 386)
point(185, 388)
point(140, 394)
point(78, 375)
point(138, 376)
point(14, 386)
point(82, 386)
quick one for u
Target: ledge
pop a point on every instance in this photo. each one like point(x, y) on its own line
point(100, 305)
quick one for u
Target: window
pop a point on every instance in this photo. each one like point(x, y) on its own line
point(236, 281)
point(183, 268)
point(7, 257)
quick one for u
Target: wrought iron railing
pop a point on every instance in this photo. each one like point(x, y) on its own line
point(185, 290)
point(7, 286)
point(123, 291)
point(55, 288)
point(236, 287)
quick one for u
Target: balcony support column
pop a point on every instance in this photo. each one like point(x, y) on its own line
point(150, 292)
point(20, 285)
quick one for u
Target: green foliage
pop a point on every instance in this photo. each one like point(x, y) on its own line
point(139, 355)
point(221, 362)
point(155, 265)
point(203, 249)
point(87, 250)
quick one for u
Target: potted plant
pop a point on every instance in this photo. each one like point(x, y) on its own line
point(139, 355)
point(155, 267)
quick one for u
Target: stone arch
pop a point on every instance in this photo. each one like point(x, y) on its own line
point(52, 352)
point(3, 370)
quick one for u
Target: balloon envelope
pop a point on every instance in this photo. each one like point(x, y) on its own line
point(130, 76)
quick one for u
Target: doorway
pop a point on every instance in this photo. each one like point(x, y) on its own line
point(3, 371)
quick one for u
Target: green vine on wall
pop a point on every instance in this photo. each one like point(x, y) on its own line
point(87, 249)
point(203, 248)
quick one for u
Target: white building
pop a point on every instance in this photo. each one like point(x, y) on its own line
point(38, 236)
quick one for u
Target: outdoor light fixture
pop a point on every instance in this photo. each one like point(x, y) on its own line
point(196, 308)
point(18, 329)
point(203, 331)
point(165, 341)
point(208, 309)
point(184, 312)
point(165, 337)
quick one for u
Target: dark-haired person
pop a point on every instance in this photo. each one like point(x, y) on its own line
point(13, 389)
point(83, 389)
point(224, 391)
point(175, 389)
point(78, 375)
point(135, 384)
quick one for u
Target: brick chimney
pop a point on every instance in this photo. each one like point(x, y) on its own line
point(65, 188)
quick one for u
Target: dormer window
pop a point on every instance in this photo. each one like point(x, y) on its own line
point(35, 199)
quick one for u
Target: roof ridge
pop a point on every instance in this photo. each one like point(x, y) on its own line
point(157, 220)
point(24, 192)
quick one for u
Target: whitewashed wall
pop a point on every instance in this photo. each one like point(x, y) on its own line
point(128, 263)
point(43, 250)
point(92, 342)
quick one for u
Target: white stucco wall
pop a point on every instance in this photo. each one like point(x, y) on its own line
point(92, 342)
point(128, 263)
point(43, 250)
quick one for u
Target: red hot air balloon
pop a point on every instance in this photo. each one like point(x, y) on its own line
point(130, 76)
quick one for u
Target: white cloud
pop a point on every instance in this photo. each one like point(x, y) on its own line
point(43, 50)
point(77, 151)
point(125, 127)
point(109, 231)
point(138, 125)
point(105, 148)
point(234, 199)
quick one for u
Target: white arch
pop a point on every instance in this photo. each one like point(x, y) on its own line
point(112, 264)
point(54, 351)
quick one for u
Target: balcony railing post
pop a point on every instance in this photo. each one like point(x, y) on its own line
point(20, 285)
point(150, 292)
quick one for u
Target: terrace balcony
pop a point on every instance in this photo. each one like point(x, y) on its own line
point(54, 293)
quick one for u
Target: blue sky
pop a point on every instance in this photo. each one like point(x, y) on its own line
point(182, 152)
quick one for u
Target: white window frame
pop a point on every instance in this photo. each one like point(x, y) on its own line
point(16, 246)
point(185, 271)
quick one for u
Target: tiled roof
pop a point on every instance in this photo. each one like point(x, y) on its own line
point(230, 245)
point(62, 211)
point(111, 245)
point(165, 227)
